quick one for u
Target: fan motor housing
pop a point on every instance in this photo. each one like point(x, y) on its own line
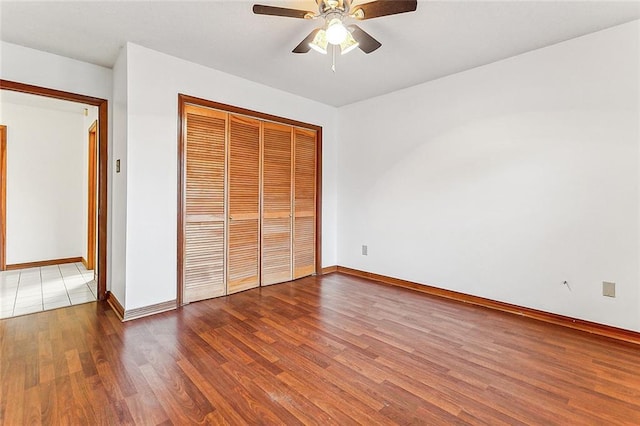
point(325, 6)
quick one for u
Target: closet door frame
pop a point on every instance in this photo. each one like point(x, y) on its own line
point(181, 201)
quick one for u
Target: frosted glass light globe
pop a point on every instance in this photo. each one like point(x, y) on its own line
point(336, 32)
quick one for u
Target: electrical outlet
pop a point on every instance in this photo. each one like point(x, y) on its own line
point(365, 250)
point(608, 289)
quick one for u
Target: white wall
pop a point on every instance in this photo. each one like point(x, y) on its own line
point(154, 81)
point(119, 181)
point(505, 180)
point(46, 169)
point(30, 66)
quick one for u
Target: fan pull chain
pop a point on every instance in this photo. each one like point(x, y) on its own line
point(333, 53)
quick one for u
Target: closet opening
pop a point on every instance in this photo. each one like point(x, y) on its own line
point(249, 199)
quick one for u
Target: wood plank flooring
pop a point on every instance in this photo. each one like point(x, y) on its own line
point(328, 350)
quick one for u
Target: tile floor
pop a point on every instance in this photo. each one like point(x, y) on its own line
point(26, 291)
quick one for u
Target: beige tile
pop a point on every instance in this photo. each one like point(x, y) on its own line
point(27, 310)
point(8, 293)
point(28, 294)
point(52, 298)
point(54, 304)
point(7, 303)
point(82, 298)
point(51, 294)
point(28, 301)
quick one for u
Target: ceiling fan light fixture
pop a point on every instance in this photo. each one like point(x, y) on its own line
point(333, 13)
point(319, 42)
point(348, 44)
point(336, 32)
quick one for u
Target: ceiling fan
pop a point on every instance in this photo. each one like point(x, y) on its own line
point(335, 13)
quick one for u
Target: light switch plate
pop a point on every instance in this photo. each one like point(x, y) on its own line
point(608, 289)
point(365, 250)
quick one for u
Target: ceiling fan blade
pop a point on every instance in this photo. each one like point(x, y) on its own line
point(260, 9)
point(303, 47)
point(366, 43)
point(376, 9)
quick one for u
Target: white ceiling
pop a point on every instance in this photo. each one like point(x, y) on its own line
point(440, 38)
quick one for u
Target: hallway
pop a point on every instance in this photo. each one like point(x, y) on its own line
point(26, 291)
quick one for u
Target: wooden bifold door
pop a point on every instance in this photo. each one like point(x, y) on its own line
point(249, 202)
point(276, 204)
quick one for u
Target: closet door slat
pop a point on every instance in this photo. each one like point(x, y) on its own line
point(276, 204)
point(204, 204)
point(243, 204)
point(304, 235)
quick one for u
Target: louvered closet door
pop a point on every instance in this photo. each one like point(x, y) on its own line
point(304, 224)
point(204, 204)
point(276, 203)
point(244, 204)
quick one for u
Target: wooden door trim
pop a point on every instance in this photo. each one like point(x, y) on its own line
point(103, 162)
point(183, 100)
point(182, 181)
point(3, 196)
point(319, 201)
point(91, 197)
point(186, 99)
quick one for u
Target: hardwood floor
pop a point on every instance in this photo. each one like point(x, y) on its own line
point(329, 350)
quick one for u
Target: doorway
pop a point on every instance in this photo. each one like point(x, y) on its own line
point(100, 177)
